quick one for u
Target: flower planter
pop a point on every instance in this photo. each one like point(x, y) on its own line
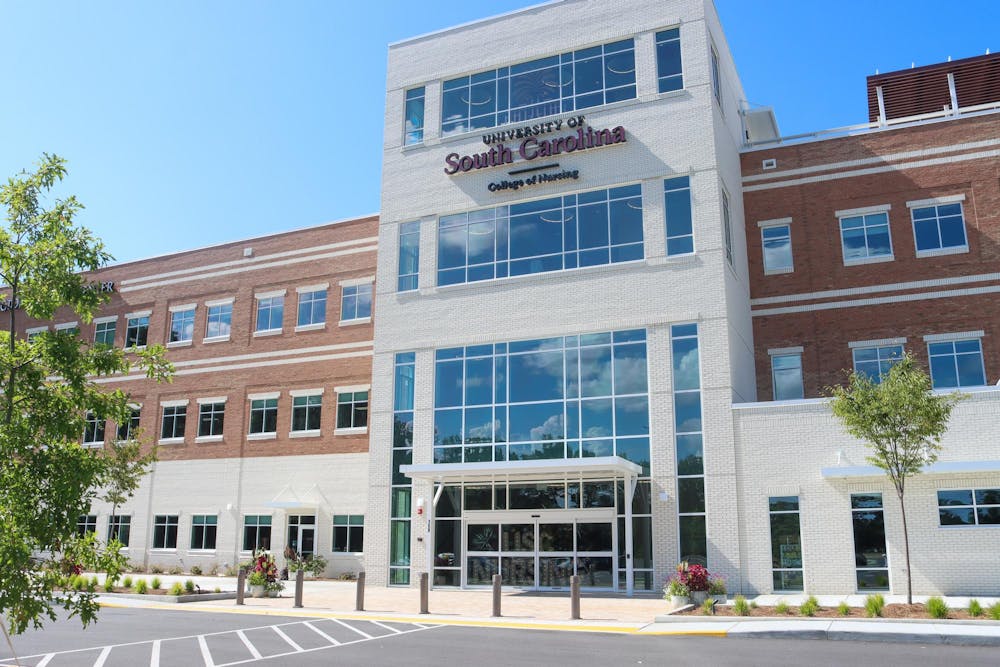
point(699, 597)
point(678, 601)
point(720, 598)
point(257, 591)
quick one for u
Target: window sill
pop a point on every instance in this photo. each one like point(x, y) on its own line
point(163, 550)
point(215, 339)
point(662, 260)
point(266, 332)
point(310, 327)
point(134, 348)
point(778, 272)
point(180, 343)
point(349, 554)
point(261, 436)
point(201, 552)
point(351, 431)
point(92, 445)
point(869, 260)
point(170, 441)
point(208, 438)
point(304, 434)
point(937, 252)
point(360, 320)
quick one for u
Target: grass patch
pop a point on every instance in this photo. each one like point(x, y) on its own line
point(177, 589)
point(781, 608)
point(874, 604)
point(740, 606)
point(844, 609)
point(141, 587)
point(994, 611)
point(708, 607)
point(937, 608)
point(810, 606)
point(975, 609)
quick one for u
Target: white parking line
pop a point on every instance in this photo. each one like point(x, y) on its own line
point(102, 657)
point(288, 639)
point(321, 633)
point(154, 658)
point(203, 645)
point(387, 627)
point(44, 661)
point(351, 627)
point(250, 647)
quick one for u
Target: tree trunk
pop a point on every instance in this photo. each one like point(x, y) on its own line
point(906, 550)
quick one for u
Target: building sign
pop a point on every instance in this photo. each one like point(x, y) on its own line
point(531, 147)
point(15, 304)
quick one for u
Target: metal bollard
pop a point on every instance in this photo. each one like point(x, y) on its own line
point(299, 579)
point(496, 595)
point(241, 585)
point(423, 593)
point(574, 596)
point(359, 600)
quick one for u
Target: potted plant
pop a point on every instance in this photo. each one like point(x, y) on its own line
point(257, 582)
point(676, 591)
point(315, 566)
point(717, 589)
point(263, 566)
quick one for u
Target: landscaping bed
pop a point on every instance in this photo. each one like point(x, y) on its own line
point(919, 611)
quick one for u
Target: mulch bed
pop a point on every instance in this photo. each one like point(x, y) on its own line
point(889, 611)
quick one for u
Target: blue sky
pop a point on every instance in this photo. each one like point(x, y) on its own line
point(192, 123)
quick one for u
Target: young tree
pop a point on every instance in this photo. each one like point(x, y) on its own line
point(46, 390)
point(900, 421)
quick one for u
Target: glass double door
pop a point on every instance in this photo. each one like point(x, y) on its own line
point(541, 550)
point(302, 534)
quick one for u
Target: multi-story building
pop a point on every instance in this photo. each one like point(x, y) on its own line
point(262, 434)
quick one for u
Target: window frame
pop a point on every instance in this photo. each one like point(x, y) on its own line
point(974, 507)
point(265, 409)
point(162, 524)
point(715, 71)
point(132, 426)
point(178, 410)
point(350, 527)
point(306, 297)
point(135, 321)
point(355, 408)
point(220, 312)
point(727, 226)
point(95, 431)
point(100, 327)
point(408, 282)
point(216, 418)
point(188, 313)
point(784, 353)
point(672, 188)
point(272, 302)
point(308, 406)
point(865, 213)
point(354, 289)
point(954, 338)
point(778, 223)
point(257, 525)
point(936, 204)
point(663, 37)
point(201, 529)
point(116, 524)
point(414, 136)
point(771, 513)
point(86, 523)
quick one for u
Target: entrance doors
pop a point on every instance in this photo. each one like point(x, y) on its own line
point(542, 550)
point(302, 534)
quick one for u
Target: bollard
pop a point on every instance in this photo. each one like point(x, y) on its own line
point(241, 585)
point(359, 600)
point(299, 579)
point(574, 596)
point(496, 595)
point(423, 593)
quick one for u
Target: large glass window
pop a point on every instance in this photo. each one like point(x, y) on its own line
point(129, 430)
point(786, 543)
point(716, 77)
point(165, 531)
point(119, 527)
point(256, 532)
point(786, 376)
point(870, 556)
point(93, 432)
point(348, 533)
point(174, 420)
point(957, 363)
point(203, 531)
point(263, 416)
point(544, 87)
point(565, 397)
point(939, 228)
point(136, 331)
point(86, 523)
point(727, 228)
point(409, 256)
point(352, 409)
point(668, 60)
point(686, 364)
point(588, 229)
point(104, 332)
point(181, 325)
point(312, 308)
point(402, 454)
point(865, 237)
point(776, 242)
point(677, 200)
point(211, 418)
point(220, 319)
point(356, 302)
point(413, 116)
point(270, 312)
point(969, 507)
point(876, 361)
point(306, 412)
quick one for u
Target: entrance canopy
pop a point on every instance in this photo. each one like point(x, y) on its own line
point(548, 469)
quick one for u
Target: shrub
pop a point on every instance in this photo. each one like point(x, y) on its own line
point(177, 589)
point(154, 569)
point(753, 604)
point(109, 585)
point(810, 606)
point(94, 583)
point(212, 571)
point(844, 609)
point(975, 609)
point(708, 607)
point(141, 587)
point(176, 569)
point(937, 607)
point(189, 586)
point(676, 587)
point(79, 583)
point(740, 606)
point(195, 570)
point(155, 583)
point(230, 571)
point(781, 608)
point(217, 590)
point(717, 586)
point(127, 582)
point(874, 605)
point(994, 611)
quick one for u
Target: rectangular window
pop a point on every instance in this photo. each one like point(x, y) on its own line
point(182, 325)
point(136, 331)
point(544, 87)
point(939, 229)
point(356, 302)
point(689, 450)
point(203, 531)
point(104, 332)
point(957, 363)
point(129, 430)
point(220, 320)
point(348, 533)
point(876, 361)
point(727, 228)
point(865, 237)
point(165, 531)
point(409, 256)
point(677, 201)
point(306, 412)
point(174, 418)
point(786, 543)
point(34, 332)
point(263, 416)
point(716, 77)
point(256, 532)
point(312, 308)
point(402, 454)
point(413, 116)
point(668, 60)
point(786, 376)
point(969, 507)
point(93, 432)
point(587, 229)
point(86, 523)
point(776, 244)
point(270, 312)
point(870, 556)
point(211, 417)
point(352, 410)
point(119, 527)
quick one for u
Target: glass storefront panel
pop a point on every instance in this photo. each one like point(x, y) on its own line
point(594, 537)
point(595, 571)
point(517, 571)
point(480, 570)
point(554, 572)
point(517, 537)
point(483, 537)
point(555, 537)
